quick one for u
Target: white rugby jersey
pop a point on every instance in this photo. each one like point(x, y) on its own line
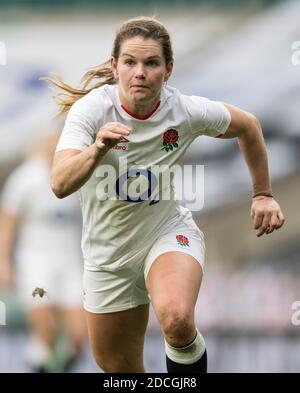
point(48, 228)
point(119, 227)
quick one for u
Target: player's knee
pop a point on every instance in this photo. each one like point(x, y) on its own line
point(178, 326)
point(78, 336)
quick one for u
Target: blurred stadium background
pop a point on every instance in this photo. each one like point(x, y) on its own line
point(234, 51)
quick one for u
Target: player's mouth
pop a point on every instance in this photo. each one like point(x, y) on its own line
point(140, 86)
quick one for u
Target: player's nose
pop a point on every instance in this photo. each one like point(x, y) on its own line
point(140, 72)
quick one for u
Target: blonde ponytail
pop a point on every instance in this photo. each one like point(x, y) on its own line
point(103, 73)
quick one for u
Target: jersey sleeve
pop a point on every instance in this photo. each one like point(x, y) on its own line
point(79, 130)
point(206, 117)
point(15, 192)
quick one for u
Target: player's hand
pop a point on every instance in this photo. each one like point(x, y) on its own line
point(6, 275)
point(111, 134)
point(266, 215)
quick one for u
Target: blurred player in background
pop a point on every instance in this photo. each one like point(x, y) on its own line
point(39, 248)
point(137, 249)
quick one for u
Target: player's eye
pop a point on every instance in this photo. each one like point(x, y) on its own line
point(152, 63)
point(129, 61)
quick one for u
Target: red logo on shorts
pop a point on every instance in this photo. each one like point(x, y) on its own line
point(182, 240)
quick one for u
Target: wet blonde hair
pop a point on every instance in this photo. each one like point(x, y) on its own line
point(146, 27)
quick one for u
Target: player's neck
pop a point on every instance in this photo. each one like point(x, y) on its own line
point(140, 114)
point(140, 111)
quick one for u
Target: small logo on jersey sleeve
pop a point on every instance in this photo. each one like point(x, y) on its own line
point(170, 139)
point(182, 240)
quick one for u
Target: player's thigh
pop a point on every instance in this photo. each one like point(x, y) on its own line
point(43, 322)
point(173, 283)
point(69, 299)
point(118, 337)
point(75, 324)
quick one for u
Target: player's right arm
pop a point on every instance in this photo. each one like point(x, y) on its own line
point(72, 168)
point(8, 223)
point(13, 200)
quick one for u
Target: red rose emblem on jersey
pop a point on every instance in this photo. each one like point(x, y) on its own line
point(170, 139)
point(171, 136)
point(182, 240)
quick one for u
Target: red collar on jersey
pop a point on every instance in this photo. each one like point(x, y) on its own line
point(141, 117)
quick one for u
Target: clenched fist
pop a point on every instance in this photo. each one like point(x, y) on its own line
point(266, 215)
point(111, 134)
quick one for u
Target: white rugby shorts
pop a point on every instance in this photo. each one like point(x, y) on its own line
point(106, 290)
point(61, 278)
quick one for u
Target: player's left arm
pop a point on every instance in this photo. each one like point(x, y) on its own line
point(265, 211)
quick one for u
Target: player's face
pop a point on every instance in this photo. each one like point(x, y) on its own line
point(141, 71)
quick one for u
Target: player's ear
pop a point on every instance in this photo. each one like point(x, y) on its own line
point(169, 69)
point(113, 63)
